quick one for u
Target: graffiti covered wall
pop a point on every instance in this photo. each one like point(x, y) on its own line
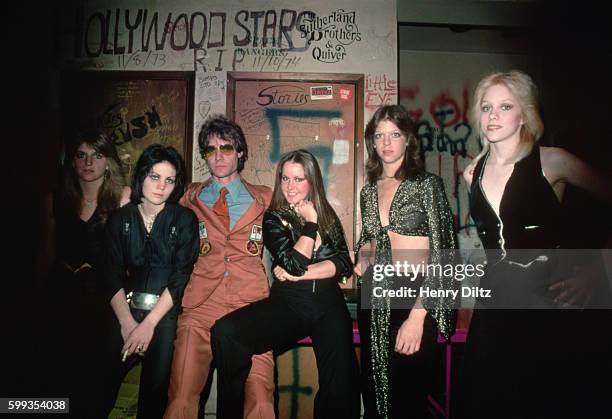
point(214, 37)
point(436, 88)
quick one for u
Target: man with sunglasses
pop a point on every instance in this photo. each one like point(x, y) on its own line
point(229, 273)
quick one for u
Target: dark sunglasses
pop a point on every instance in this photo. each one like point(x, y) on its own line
point(225, 149)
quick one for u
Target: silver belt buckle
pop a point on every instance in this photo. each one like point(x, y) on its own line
point(142, 300)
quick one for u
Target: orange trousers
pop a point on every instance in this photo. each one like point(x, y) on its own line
point(193, 357)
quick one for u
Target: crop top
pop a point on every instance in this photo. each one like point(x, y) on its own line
point(418, 208)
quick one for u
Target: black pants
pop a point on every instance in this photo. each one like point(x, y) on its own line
point(536, 364)
point(156, 367)
point(532, 363)
point(410, 376)
point(276, 323)
point(76, 320)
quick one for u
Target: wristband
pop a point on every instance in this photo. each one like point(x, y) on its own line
point(310, 230)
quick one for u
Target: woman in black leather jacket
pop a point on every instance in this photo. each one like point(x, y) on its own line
point(310, 255)
point(152, 245)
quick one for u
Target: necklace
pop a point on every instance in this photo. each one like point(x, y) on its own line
point(148, 219)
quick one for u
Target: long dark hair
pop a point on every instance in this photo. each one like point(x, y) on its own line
point(109, 194)
point(153, 154)
point(413, 163)
point(326, 216)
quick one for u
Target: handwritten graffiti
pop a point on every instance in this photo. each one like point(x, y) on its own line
point(120, 31)
point(444, 141)
point(265, 59)
point(336, 31)
point(443, 129)
point(443, 106)
point(260, 51)
point(142, 59)
point(411, 93)
point(448, 131)
point(380, 90)
point(284, 94)
point(210, 81)
point(122, 131)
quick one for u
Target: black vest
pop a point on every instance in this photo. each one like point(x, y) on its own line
point(530, 215)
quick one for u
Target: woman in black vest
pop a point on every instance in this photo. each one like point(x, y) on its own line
point(518, 363)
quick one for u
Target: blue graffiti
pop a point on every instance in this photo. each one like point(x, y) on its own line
point(322, 153)
point(294, 388)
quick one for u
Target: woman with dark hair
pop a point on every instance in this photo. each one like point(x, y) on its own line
point(305, 239)
point(92, 187)
point(405, 218)
point(153, 244)
point(73, 260)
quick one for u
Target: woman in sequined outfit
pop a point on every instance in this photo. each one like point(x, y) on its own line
point(405, 217)
point(517, 362)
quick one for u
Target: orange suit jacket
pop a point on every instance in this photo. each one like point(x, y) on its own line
point(228, 258)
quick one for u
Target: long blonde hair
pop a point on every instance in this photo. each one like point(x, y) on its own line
point(526, 92)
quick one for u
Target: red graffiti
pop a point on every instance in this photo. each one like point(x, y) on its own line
point(380, 82)
point(374, 100)
point(444, 110)
point(416, 115)
point(409, 93)
point(380, 90)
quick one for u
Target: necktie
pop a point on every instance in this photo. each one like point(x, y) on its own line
point(220, 208)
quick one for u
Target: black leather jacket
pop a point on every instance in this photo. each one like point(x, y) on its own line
point(152, 262)
point(309, 298)
point(282, 229)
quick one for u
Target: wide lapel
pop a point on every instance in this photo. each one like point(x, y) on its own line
point(202, 211)
point(256, 208)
